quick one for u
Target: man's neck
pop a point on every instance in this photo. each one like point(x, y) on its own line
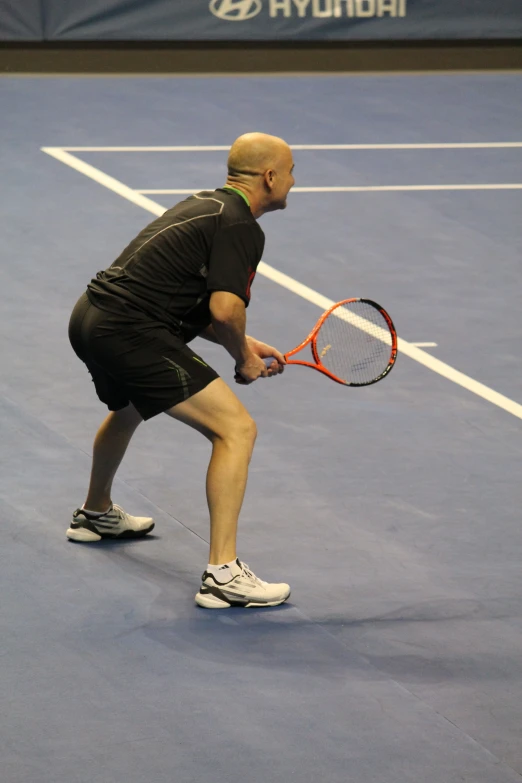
point(239, 191)
point(251, 197)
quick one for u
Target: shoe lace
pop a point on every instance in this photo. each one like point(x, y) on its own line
point(250, 574)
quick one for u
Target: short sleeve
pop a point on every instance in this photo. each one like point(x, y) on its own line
point(235, 254)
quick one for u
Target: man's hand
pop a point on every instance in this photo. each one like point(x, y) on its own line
point(250, 370)
point(259, 351)
point(265, 351)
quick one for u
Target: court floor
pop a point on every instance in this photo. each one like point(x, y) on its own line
point(392, 510)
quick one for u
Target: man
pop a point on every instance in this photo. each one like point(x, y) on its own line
point(188, 273)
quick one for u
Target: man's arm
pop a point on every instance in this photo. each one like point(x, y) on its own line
point(256, 346)
point(228, 314)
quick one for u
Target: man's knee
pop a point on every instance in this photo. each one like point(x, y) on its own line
point(241, 428)
point(251, 429)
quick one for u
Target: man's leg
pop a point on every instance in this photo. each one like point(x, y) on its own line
point(110, 445)
point(99, 518)
point(217, 413)
point(221, 417)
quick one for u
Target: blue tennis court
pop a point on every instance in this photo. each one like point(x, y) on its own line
point(393, 510)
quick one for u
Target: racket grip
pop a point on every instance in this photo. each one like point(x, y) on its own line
point(268, 361)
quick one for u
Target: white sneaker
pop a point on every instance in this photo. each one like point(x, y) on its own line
point(116, 523)
point(239, 587)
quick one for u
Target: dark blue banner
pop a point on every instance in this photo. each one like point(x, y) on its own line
point(21, 21)
point(268, 20)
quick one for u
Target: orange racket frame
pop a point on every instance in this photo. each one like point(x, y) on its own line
point(312, 338)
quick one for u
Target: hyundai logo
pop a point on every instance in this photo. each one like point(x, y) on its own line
point(235, 10)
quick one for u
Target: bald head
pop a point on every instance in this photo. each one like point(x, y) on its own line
point(261, 167)
point(255, 153)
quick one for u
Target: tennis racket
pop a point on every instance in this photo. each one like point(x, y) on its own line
point(354, 343)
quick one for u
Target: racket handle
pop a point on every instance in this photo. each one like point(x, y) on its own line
point(268, 361)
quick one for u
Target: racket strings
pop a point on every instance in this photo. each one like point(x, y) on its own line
point(354, 343)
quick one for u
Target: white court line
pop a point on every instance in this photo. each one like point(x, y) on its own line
point(353, 188)
point(169, 191)
point(105, 180)
point(220, 148)
point(425, 345)
point(415, 353)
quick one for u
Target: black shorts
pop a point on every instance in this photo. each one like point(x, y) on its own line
point(134, 360)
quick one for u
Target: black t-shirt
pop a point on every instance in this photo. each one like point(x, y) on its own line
point(208, 242)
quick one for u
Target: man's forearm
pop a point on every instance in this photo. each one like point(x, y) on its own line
point(210, 335)
point(228, 327)
point(231, 335)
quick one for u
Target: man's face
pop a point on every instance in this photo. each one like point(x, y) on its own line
point(283, 180)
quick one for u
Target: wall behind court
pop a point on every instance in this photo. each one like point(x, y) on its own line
point(259, 20)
